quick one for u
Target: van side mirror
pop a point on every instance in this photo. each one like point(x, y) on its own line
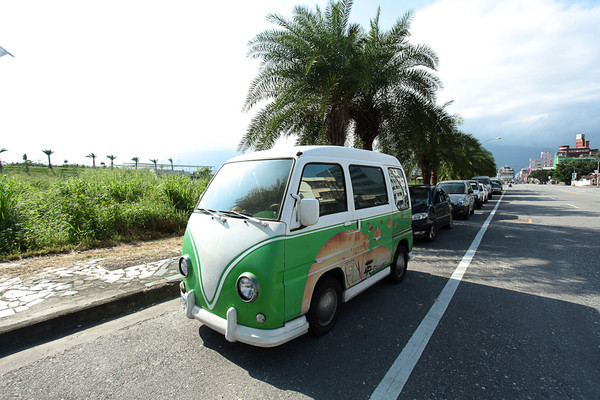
point(308, 211)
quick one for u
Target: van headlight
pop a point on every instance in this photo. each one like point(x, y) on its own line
point(184, 265)
point(247, 287)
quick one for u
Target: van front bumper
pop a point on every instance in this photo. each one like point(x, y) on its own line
point(240, 333)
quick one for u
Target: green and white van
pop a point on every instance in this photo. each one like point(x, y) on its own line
point(280, 238)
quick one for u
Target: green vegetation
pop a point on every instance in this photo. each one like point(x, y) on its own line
point(543, 174)
point(565, 169)
point(325, 80)
point(49, 210)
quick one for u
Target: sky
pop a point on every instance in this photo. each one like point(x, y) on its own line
point(159, 79)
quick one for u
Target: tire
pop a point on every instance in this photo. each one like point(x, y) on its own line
point(450, 222)
point(432, 234)
point(324, 306)
point(466, 215)
point(473, 210)
point(398, 268)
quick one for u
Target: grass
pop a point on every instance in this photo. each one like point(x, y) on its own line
point(46, 211)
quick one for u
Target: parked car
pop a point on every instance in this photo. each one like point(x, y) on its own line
point(478, 192)
point(431, 210)
point(484, 191)
point(461, 196)
point(486, 182)
point(496, 186)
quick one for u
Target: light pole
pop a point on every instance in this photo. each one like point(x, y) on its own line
point(495, 138)
point(574, 175)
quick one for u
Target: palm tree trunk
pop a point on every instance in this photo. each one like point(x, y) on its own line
point(336, 123)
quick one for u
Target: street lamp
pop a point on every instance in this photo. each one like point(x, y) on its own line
point(495, 138)
point(574, 175)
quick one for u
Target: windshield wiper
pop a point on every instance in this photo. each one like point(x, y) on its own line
point(248, 217)
point(212, 213)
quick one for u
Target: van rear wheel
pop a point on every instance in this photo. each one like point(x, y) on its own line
point(324, 306)
point(398, 268)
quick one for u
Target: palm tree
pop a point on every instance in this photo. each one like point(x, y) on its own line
point(392, 70)
point(422, 136)
point(48, 153)
point(93, 157)
point(112, 159)
point(2, 150)
point(309, 75)
point(171, 161)
point(136, 160)
point(155, 161)
point(327, 78)
point(26, 162)
point(467, 158)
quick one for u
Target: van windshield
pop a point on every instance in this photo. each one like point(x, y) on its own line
point(254, 188)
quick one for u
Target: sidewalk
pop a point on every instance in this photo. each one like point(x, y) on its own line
point(56, 300)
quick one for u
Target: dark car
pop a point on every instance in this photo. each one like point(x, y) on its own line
point(496, 186)
point(431, 210)
point(461, 196)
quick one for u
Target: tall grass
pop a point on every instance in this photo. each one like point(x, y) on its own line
point(90, 208)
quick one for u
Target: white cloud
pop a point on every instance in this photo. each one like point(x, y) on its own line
point(160, 79)
point(513, 61)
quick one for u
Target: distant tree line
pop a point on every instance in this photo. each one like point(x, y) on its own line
point(563, 171)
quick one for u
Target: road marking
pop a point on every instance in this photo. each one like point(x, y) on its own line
point(394, 380)
point(569, 204)
point(568, 191)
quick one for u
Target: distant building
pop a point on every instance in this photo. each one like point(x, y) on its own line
point(545, 161)
point(581, 151)
point(506, 173)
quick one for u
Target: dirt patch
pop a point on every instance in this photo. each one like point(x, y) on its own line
point(114, 257)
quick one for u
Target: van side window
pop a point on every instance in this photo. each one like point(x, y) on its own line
point(399, 188)
point(368, 185)
point(324, 182)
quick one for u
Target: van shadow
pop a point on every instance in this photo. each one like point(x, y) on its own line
point(373, 328)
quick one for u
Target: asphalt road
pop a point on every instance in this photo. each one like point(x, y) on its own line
point(524, 322)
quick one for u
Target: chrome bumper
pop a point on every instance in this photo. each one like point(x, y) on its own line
point(239, 333)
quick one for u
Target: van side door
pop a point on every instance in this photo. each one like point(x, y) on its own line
point(314, 250)
point(373, 213)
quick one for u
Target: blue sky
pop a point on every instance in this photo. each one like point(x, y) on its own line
point(167, 79)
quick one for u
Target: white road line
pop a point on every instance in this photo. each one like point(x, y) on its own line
point(573, 205)
point(392, 383)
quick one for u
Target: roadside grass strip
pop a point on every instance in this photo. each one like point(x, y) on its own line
point(394, 380)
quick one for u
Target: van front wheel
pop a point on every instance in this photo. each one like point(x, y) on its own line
point(324, 306)
point(398, 268)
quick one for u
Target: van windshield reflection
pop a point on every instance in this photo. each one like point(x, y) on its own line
point(253, 188)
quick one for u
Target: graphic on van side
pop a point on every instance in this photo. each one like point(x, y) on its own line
point(353, 252)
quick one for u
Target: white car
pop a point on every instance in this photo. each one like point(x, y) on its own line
point(478, 193)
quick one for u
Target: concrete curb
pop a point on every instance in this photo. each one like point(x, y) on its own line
point(31, 331)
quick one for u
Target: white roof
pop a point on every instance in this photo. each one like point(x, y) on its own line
point(320, 151)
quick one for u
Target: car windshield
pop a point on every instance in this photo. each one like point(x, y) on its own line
point(453, 188)
point(485, 181)
point(419, 194)
point(255, 188)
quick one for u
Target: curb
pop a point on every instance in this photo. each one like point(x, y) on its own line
point(50, 326)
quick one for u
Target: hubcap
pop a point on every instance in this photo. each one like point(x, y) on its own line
point(327, 306)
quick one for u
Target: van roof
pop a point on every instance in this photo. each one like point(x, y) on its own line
point(320, 151)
